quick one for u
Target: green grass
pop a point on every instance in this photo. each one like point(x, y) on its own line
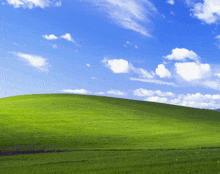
point(118, 135)
point(144, 161)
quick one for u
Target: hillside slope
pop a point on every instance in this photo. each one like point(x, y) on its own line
point(71, 122)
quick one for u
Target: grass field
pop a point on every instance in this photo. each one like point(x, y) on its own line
point(106, 135)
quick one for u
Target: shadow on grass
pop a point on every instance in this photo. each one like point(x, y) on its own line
point(17, 152)
point(27, 149)
point(39, 148)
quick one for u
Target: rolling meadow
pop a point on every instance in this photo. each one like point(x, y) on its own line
point(68, 133)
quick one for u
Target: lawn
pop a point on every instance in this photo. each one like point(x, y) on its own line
point(106, 135)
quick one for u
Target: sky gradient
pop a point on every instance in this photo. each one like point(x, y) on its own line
point(161, 51)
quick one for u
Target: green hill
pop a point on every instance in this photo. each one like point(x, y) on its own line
point(92, 122)
point(82, 122)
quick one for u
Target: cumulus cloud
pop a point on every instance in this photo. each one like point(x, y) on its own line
point(197, 100)
point(116, 92)
point(190, 71)
point(157, 99)
point(35, 61)
point(122, 66)
point(162, 71)
point(117, 65)
point(76, 91)
point(68, 37)
point(200, 97)
point(50, 37)
point(207, 11)
point(145, 92)
point(194, 73)
point(171, 2)
point(33, 3)
point(180, 54)
point(88, 65)
point(129, 14)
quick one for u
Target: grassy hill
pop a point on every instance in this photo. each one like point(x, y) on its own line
point(101, 124)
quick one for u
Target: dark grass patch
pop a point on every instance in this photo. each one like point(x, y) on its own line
point(210, 147)
point(17, 152)
point(27, 149)
point(26, 152)
point(61, 162)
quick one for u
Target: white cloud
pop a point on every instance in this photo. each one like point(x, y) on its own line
point(129, 14)
point(200, 97)
point(116, 92)
point(157, 99)
point(33, 3)
point(153, 81)
point(162, 71)
point(211, 84)
point(35, 61)
point(217, 74)
point(190, 71)
point(54, 46)
point(122, 66)
point(117, 65)
point(171, 2)
point(50, 37)
point(68, 37)
point(144, 92)
point(143, 73)
point(76, 91)
point(197, 100)
point(88, 65)
point(181, 54)
point(196, 73)
point(207, 11)
point(218, 37)
point(58, 4)
point(128, 43)
point(100, 93)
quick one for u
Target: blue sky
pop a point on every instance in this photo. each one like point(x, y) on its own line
point(164, 51)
